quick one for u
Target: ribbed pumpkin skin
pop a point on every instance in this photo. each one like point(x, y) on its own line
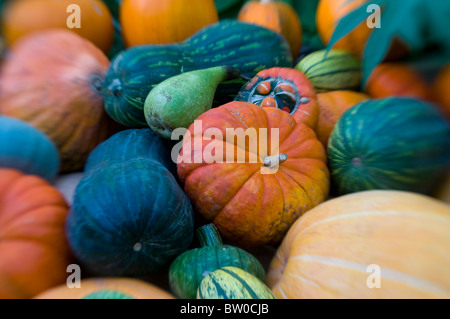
point(49, 80)
point(392, 143)
point(134, 72)
point(129, 216)
point(232, 283)
point(326, 253)
point(251, 204)
point(107, 288)
point(33, 247)
point(27, 149)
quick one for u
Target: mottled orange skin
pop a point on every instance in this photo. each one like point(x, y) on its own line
point(34, 253)
point(331, 107)
point(277, 16)
point(168, 21)
point(48, 81)
point(441, 89)
point(250, 204)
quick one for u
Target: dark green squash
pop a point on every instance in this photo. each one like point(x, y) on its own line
point(392, 143)
point(134, 72)
point(188, 269)
point(129, 216)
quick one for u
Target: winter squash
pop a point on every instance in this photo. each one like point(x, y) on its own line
point(21, 17)
point(33, 247)
point(232, 283)
point(252, 191)
point(396, 79)
point(392, 143)
point(331, 107)
point(373, 244)
point(440, 89)
point(27, 149)
point(188, 269)
point(129, 215)
point(278, 16)
point(107, 288)
point(52, 79)
point(161, 22)
point(283, 88)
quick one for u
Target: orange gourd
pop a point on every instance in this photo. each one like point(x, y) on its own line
point(52, 79)
point(107, 288)
point(277, 16)
point(21, 17)
point(168, 21)
point(333, 251)
point(249, 187)
point(441, 89)
point(34, 253)
point(331, 106)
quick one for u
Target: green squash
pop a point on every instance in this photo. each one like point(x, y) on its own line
point(232, 283)
point(393, 143)
point(188, 269)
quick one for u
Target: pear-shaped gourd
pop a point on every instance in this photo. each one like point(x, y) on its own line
point(179, 100)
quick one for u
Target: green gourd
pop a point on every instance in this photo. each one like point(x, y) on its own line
point(188, 269)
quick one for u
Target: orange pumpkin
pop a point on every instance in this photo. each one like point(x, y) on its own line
point(107, 288)
point(277, 16)
point(396, 79)
point(21, 17)
point(168, 21)
point(331, 106)
point(52, 79)
point(373, 244)
point(440, 89)
point(252, 188)
point(34, 253)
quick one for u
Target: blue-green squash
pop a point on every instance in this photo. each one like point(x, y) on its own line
point(25, 148)
point(188, 269)
point(129, 215)
point(392, 143)
point(135, 71)
point(232, 283)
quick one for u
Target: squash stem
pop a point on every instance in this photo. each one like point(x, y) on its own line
point(208, 235)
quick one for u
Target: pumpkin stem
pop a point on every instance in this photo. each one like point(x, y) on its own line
point(272, 161)
point(208, 235)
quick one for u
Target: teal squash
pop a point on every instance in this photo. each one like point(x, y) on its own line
point(392, 143)
point(134, 72)
point(188, 269)
point(129, 215)
point(232, 283)
point(25, 148)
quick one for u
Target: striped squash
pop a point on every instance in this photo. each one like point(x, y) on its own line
point(373, 244)
point(134, 72)
point(393, 143)
point(232, 283)
point(335, 70)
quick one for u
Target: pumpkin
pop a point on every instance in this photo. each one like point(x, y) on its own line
point(21, 17)
point(283, 88)
point(440, 89)
point(188, 269)
point(27, 149)
point(331, 107)
point(232, 283)
point(252, 191)
point(372, 244)
point(392, 143)
point(160, 22)
point(278, 16)
point(129, 215)
point(33, 247)
point(396, 79)
point(52, 80)
point(107, 288)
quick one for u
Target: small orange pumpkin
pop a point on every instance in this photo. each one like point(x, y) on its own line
point(21, 17)
point(275, 15)
point(34, 253)
point(168, 21)
point(441, 89)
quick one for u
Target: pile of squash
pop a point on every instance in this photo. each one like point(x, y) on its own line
point(112, 185)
